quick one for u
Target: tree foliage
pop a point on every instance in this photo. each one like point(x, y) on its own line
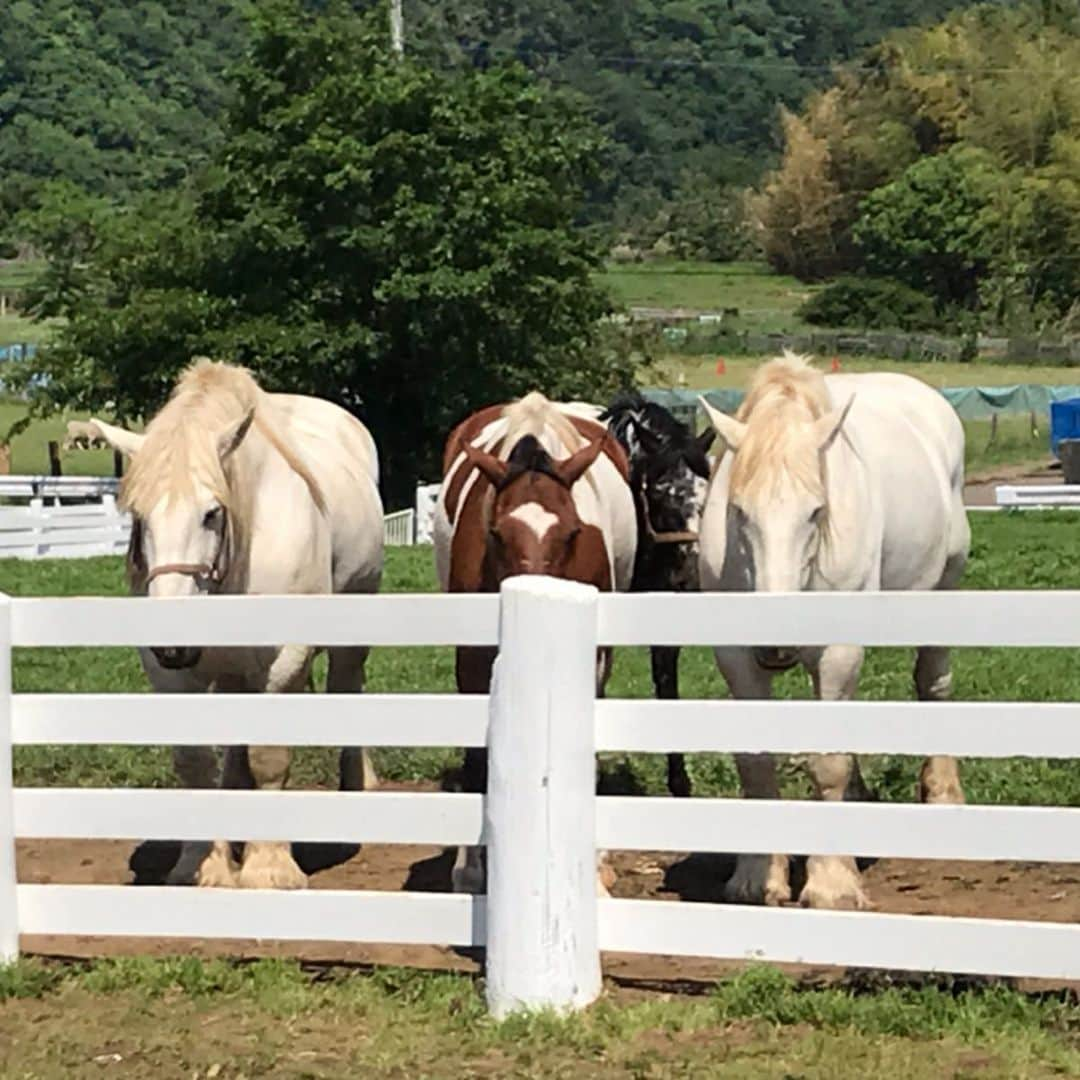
point(113, 98)
point(125, 96)
point(947, 158)
point(371, 231)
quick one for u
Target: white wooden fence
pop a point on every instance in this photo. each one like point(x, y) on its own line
point(1037, 496)
point(43, 529)
point(541, 920)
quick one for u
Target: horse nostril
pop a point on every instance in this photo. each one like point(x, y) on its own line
point(776, 659)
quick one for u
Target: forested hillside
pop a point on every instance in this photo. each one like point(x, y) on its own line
point(685, 86)
point(116, 96)
point(120, 96)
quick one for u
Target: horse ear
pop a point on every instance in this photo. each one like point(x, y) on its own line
point(827, 427)
point(230, 439)
point(705, 440)
point(495, 470)
point(127, 442)
point(572, 469)
point(729, 429)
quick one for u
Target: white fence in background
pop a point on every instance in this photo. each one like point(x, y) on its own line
point(399, 528)
point(541, 920)
point(43, 529)
point(1037, 496)
point(54, 487)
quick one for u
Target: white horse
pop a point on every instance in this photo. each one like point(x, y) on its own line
point(234, 490)
point(845, 482)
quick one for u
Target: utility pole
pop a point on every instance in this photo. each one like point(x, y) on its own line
point(397, 28)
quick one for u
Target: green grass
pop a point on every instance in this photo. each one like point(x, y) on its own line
point(766, 302)
point(21, 330)
point(16, 274)
point(185, 1017)
point(30, 450)
point(699, 372)
point(1017, 551)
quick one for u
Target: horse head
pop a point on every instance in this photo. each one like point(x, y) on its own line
point(669, 467)
point(533, 524)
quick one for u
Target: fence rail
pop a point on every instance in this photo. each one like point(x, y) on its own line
point(46, 529)
point(1037, 496)
point(541, 921)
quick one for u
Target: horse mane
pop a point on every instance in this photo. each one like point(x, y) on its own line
point(180, 447)
point(533, 415)
point(784, 394)
point(631, 409)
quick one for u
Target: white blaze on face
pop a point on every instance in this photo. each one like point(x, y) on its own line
point(535, 517)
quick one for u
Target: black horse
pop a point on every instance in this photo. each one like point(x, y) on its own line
point(669, 469)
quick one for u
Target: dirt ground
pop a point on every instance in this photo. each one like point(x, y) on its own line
point(1040, 891)
point(979, 489)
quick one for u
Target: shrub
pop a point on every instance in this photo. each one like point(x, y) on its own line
point(870, 303)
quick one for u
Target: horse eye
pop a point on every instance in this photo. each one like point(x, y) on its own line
point(211, 517)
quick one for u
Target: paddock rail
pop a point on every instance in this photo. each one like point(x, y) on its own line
point(543, 926)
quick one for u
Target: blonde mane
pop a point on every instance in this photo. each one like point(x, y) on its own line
point(532, 415)
point(180, 448)
point(785, 394)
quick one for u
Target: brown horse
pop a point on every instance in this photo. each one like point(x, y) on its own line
point(529, 488)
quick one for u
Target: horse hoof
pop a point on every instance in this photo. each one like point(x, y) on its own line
point(270, 868)
point(216, 872)
point(757, 880)
point(835, 889)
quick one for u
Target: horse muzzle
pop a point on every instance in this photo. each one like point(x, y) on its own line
point(776, 659)
point(177, 659)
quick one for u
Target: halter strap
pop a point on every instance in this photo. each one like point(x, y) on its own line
point(202, 571)
point(684, 537)
point(210, 573)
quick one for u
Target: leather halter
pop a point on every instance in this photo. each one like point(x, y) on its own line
point(684, 537)
point(210, 574)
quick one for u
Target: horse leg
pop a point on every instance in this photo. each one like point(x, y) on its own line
point(346, 676)
point(833, 881)
point(939, 778)
point(473, 671)
point(605, 872)
point(757, 878)
point(270, 865)
point(195, 767)
point(665, 675)
point(219, 869)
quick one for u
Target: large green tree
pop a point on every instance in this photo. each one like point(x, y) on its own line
point(372, 231)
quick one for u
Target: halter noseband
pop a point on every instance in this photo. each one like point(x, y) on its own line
point(684, 537)
point(208, 574)
point(199, 571)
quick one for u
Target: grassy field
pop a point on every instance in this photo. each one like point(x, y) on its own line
point(699, 372)
point(185, 1018)
point(1009, 552)
point(16, 329)
point(30, 453)
point(766, 302)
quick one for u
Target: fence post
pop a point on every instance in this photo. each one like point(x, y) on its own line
point(540, 811)
point(9, 916)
